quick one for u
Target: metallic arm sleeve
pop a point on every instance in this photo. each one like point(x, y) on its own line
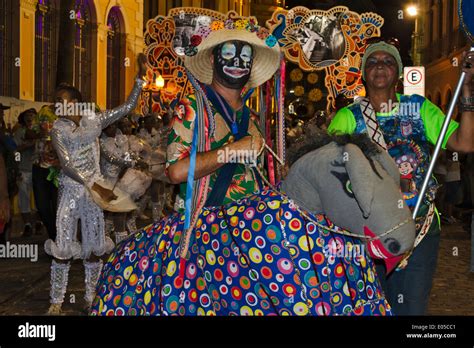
point(57, 141)
point(111, 157)
point(110, 116)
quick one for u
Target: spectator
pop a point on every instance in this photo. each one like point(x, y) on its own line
point(8, 188)
point(25, 140)
point(45, 163)
point(452, 187)
point(4, 200)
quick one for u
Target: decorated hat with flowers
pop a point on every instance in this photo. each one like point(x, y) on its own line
point(212, 28)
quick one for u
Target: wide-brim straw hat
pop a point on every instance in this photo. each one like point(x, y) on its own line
point(266, 59)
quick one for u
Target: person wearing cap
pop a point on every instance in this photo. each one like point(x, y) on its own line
point(406, 126)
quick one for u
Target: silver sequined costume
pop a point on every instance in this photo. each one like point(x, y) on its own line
point(79, 153)
point(114, 156)
point(153, 138)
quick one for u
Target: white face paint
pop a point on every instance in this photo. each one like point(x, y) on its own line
point(233, 63)
point(228, 51)
point(246, 55)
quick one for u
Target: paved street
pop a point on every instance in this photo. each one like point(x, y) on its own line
point(24, 286)
point(453, 286)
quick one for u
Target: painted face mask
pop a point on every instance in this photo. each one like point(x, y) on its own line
point(233, 63)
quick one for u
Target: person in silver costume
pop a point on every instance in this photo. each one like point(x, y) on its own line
point(138, 179)
point(151, 135)
point(114, 160)
point(75, 137)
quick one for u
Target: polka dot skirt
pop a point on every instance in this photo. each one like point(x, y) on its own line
point(257, 256)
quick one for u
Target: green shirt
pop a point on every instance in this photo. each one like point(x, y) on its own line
point(344, 122)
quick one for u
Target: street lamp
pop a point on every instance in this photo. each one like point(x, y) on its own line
point(412, 11)
point(157, 83)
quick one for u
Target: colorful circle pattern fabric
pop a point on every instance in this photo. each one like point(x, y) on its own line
point(257, 256)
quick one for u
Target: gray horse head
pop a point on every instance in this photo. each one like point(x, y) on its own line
point(353, 183)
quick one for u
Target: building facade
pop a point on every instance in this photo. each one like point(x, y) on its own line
point(108, 36)
point(442, 45)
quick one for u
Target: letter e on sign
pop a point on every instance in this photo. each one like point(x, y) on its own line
point(414, 80)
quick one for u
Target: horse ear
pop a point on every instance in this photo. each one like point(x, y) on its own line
point(361, 176)
point(389, 165)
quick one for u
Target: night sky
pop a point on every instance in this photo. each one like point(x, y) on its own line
point(393, 27)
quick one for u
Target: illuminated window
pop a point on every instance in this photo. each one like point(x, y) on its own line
point(45, 49)
point(115, 58)
point(82, 74)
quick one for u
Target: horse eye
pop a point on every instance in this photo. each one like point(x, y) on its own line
point(348, 186)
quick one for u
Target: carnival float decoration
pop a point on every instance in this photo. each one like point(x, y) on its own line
point(326, 43)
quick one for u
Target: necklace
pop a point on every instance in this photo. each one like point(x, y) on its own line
point(233, 119)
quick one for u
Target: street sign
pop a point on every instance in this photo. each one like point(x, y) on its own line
point(414, 80)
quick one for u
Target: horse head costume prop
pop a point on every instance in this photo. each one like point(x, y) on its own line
point(351, 181)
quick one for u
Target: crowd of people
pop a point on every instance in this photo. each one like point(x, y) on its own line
point(32, 166)
point(62, 160)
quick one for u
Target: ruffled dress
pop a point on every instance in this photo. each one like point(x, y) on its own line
point(261, 255)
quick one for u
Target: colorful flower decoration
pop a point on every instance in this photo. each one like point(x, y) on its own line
point(196, 40)
point(262, 33)
point(271, 40)
point(252, 25)
point(217, 25)
point(296, 75)
point(229, 24)
point(315, 95)
point(299, 91)
point(241, 24)
point(204, 32)
point(191, 51)
point(313, 78)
